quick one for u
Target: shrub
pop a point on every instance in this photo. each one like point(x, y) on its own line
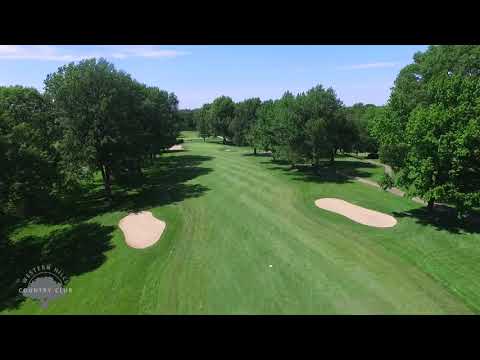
point(386, 182)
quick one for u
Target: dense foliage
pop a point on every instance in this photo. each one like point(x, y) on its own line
point(186, 119)
point(29, 173)
point(92, 117)
point(297, 128)
point(431, 128)
point(364, 116)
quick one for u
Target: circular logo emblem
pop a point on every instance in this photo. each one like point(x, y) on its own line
point(44, 283)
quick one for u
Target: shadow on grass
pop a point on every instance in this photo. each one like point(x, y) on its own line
point(163, 183)
point(338, 173)
point(174, 151)
point(75, 250)
point(355, 168)
point(259, 154)
point(444, 218)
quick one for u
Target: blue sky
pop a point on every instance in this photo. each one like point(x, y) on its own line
point(199, 73)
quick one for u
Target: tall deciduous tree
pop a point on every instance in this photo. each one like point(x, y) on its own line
point(363, 116)
point(202, 120)
point(328, 128)
point(243, 120)
point(434, 114)
point(222, 112)
point(261, 134)
point(98, 108)
point(28, 158)
point(186, 119)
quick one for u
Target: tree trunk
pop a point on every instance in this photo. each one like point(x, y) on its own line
point(332, 156)
point(224, 142)
point(254, 150)
point(21, 208)
point(102, 170)
point(138, 168)
point(430, 205)
point(106, 181)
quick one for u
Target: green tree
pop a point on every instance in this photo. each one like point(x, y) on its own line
point(202, 120)
point(261, 133)
point(328, 128)
point(29, 174)
point(244, 119)
point(160, 120)
point(434, 114)
point(222, 112)
point(277, 128)
point(186, 119)
point(289, 129)
point(362, 117)
point(98, 109)
point(316, 139)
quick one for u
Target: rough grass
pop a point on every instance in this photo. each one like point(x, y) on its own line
point(231, 215)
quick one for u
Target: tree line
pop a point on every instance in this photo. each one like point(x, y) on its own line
point(297, 128)
point(429, 130)
point(91, 118)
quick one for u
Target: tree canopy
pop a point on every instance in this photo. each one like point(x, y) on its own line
point(28, 154)
point(222, 111)
point(109, 121)
point(91, 117)
point(433, 119)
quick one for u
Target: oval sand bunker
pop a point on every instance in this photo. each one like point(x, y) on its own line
point(141, 229)
point(356, 213)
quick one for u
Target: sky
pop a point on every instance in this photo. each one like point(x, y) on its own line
point(198, 74)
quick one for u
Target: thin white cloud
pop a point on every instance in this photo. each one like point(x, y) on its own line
point(74, 53)
point(375, 65)
point(35, 52)
point(147, 51)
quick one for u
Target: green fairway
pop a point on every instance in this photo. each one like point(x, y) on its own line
point(189, 135)
point(243, 236)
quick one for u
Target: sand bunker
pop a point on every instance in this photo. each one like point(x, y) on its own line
point(356, 213)
point(176, 147)
point(141, 229)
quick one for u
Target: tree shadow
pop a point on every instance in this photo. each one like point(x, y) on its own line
point(76, 250)
point(163, 183)
point(259, 155)
point(444, 218)
point(167, 151)
point(354, 168)
point(340, 172)
point(166, 183)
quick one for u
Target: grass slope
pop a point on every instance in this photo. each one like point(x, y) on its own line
point(229, 217)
